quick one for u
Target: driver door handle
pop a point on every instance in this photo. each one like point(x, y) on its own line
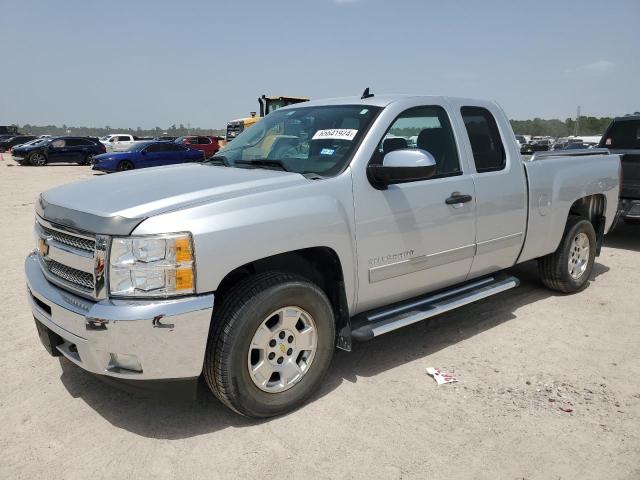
point(457, 198)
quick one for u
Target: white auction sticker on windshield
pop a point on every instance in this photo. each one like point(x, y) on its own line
point(335, 134)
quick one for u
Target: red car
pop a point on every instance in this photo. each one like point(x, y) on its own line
point(208, 145)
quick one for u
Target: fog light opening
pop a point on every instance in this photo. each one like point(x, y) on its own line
point(121, 361)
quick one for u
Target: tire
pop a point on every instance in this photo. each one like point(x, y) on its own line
point(37, 159)
point(87, 160)
point(125, 165)
point(568, 269)
point(250, 311)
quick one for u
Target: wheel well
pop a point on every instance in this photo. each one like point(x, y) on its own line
point(319, 265)
point(592, 207)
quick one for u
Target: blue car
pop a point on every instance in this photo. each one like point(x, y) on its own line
point(146, 154)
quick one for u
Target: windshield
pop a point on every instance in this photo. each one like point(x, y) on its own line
point(139, 146)
point(316, 140)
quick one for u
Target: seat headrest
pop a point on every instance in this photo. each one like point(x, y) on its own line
point(391, 144)
point(431, 138)
point(480, 143)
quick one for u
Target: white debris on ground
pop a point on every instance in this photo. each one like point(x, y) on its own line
point(441, 377)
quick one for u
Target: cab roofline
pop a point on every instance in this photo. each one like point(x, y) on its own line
point(381, 100)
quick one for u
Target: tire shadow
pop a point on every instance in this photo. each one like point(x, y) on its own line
point(175, 419)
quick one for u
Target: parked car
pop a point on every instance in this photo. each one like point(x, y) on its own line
point(208, 145)
point(10, 142)
point(59, 149)
point(521, 140)
point(314, 228)
point(120, 142)
point(623, 137)
point(146, 154)
point(10, 130)
point(536, 146)
point(571, 144)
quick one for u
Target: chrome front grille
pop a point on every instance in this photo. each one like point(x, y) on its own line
point(85, 244)
point(71, 275)
point(71, 259)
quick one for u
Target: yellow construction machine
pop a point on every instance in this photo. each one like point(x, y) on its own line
point(267, 105)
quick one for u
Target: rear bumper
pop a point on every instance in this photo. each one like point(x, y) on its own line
point(123, 339)
point(629, 208)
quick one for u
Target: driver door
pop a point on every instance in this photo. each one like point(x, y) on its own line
point(412, 238)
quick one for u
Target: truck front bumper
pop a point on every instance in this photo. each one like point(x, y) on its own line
point(124, 339)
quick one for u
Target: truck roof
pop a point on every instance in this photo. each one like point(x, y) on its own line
point(381, 100)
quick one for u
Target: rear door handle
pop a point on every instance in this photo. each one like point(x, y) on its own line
point(457, 197)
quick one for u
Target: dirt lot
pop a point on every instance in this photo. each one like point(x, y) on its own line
point(520, 358)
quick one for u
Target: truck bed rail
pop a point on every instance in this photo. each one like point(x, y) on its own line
point(569, 153)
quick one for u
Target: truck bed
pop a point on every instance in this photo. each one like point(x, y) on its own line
point(555, 181)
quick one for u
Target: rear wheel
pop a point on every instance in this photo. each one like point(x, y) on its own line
point(125, 165)
point(271, 344)
point(87, 160)
point(568, 269)
point(37, 159)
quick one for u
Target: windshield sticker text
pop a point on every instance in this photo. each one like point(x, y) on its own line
point(327, 151)
point(335, 134)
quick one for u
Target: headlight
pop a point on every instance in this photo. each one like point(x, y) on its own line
point(152, 266)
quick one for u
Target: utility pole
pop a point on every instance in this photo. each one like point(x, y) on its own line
point(577, 127)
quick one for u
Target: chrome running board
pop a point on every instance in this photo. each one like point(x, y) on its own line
point(374, 323)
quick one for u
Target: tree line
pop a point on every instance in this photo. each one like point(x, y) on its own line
point(558, 128)
point(173, 130)
point(537, 126)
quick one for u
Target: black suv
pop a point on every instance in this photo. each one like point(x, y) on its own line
point(8, 143)
point(80, 150)
point(623, 137)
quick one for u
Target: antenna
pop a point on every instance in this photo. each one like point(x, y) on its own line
point(366, 94)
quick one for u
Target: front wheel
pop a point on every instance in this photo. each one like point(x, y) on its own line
point(271, 343)
point(37, 159)
point(568, 269)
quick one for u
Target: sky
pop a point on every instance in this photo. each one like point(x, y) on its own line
point(204, 62)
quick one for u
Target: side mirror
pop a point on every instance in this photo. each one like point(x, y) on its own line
point(402, 166)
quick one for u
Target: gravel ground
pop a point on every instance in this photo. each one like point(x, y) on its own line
point(549, 387)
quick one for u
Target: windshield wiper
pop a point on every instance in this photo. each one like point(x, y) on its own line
point(219, 160)
point(264, 162)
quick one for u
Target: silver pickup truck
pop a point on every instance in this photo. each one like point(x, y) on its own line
point(325, 223)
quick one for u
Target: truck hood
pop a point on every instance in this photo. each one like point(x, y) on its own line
point(116, 204)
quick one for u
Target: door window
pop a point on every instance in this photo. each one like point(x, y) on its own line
point(172, 147)
point(58, 143)
point(204, 140)
point(426, 128)
point(123, 138)
point(486, 145)
point(157, 147)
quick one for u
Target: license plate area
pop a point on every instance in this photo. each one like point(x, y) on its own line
point(50, 340)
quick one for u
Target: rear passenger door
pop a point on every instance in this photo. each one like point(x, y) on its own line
point(204, 143)
point(58, 151)
point(500, 186)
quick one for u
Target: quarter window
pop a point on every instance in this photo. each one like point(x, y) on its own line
point(426, 128)
point(486, 145)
